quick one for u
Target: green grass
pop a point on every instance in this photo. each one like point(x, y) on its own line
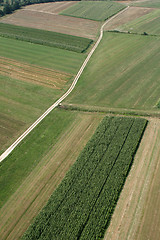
point(99, 11)
point(52, 39)
point(122, 73)
point(149, 23)
point(25, 101)
point(150, 4)
point(82, 205)
point(15, 168)
point(54, 58)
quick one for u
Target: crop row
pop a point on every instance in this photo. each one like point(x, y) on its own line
point(47, 38)
point(82, 205)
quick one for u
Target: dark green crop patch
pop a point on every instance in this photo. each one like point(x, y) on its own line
point(82, 205)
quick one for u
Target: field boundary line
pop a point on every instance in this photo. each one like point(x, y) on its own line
point(54, 105)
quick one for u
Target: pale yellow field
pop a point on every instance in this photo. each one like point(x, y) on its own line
point(137, 214)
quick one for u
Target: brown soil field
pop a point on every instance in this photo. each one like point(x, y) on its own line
point(30, 73)
point(129, 15)
point(17, 214)
point(137, 214)
point(54, 7)
point(53, 22)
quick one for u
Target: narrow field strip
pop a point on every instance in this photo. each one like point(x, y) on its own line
point(135, 211)
point(32, 195)
point(31, 73)
point(77, 209)
point(53, 7)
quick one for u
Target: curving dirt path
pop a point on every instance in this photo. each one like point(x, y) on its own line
point(10, 149)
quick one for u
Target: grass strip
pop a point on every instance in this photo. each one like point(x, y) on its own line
point(47, 38)
point(68, 213)
point(16, 167)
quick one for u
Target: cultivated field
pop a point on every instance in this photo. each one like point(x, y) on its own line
point(99, 11)
point(137, 213)
point(150, 23)
point(55, 7)
point(32, 77)
point(46, 38)
point(81, 206)
point(34, 192)
point(127, 16)
point(52, 22)
point(147, 3)
point(44, 56)
point(122, 73)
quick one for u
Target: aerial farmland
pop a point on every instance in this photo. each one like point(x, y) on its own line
point(80, 120)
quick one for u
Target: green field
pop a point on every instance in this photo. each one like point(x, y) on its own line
point(47, 38)
point(15, 168)
point(150, 4)
point(122, 73)
point(44, 56)
point(149, 23)
point(99, 11)
point(24, 100)
point(82, 205)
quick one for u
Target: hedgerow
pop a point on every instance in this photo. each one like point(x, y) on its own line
point(82, 205)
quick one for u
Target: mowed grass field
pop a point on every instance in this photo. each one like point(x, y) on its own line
point(32, 77)
point(137, 213)
point(122, 73)
point(149, 4)
point(34, 191)
point(47, 38)
point(98, 11)
point(150, 23)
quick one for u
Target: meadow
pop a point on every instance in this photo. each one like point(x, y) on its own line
point(122, 73)
point(98, 11)
point(47, 38)
point(150, 23)
point(82, 205)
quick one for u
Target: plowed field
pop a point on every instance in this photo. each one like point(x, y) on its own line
point(53, 22)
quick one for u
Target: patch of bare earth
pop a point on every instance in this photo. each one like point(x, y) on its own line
point(53, 22)
point(127, 16)
point(137, 214)
point(19, 211)
point(54, 7)
point(35, 74)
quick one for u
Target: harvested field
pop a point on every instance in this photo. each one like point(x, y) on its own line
point(149, 23)
point(147, 3)
point(30, 73)
point(137, 213)
point(51, 22)
point(54, 7)
point(36, 189)
point(127, 16)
